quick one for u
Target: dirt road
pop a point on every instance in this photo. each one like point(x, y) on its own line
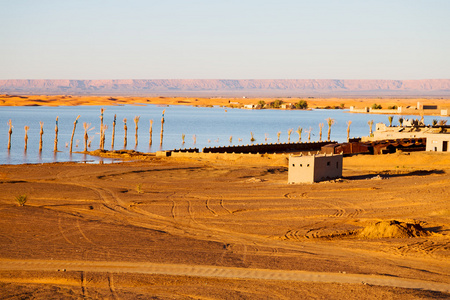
point(219, 272)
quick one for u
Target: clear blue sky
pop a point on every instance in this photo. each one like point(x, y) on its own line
point(232, 39)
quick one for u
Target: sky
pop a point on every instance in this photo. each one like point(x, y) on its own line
point(232, 39)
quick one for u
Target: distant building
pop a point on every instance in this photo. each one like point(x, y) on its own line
point(286, 106)
point(411, 129)
point(419, 109)
point(314, 168)
point(438, 142)
point(359, 110)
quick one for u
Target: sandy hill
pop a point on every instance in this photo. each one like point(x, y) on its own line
point(219, 87)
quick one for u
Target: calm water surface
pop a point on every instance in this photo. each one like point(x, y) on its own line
point(212, 127)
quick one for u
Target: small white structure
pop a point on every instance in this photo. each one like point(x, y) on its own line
point(438, 142)
point(314, 168)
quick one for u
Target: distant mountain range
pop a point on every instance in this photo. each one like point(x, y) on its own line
point(225, 87)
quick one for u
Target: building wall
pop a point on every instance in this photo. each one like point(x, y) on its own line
point(327, 167)
point(439, 142)
point(309, 169)
point(301, 169)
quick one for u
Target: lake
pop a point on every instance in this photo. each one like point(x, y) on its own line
point(212, 126)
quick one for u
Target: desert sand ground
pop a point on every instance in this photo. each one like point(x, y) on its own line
point(68, 100)
point(168, 228)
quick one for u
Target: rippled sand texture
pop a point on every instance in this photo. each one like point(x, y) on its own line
point(221, 229)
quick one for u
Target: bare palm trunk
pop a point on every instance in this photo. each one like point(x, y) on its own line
point(26, 137)
point(9, 134)
point(73, 132)
point(113, 132)
point(55, 146)
point(41, 132)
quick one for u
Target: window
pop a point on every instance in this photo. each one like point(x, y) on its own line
point(337, 165)
point(301, 165)
point(328, 163)
point(307, 165)
point(293, 165)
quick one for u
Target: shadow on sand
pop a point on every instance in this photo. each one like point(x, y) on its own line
point(389, 174)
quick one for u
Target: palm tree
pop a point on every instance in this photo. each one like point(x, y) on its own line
point(370, 125)
point(299, 131)
point(136, 121)
point(86, 135)
point(320, 131)
point(289, 134)
point(330, 122)
point(278, 135)
point(309, 134)
point(390, 118)
point(348, 130)
point(103, 136)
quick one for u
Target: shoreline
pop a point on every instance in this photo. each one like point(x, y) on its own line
point(320, 103)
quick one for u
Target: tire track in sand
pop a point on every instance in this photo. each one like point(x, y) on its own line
point(112, 289)
point(83, 284)
point(209, 208)
point(62, 231)
point(217, 272)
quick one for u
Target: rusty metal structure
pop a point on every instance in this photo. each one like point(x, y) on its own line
point(376, 147)
point(269, 148)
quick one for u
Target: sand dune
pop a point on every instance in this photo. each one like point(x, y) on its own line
point(67, 100)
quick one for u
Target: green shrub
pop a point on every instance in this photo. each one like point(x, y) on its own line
point(302, 104)
point(276, 104)
point(376, 106)
point(139, 188)
point(21, 200)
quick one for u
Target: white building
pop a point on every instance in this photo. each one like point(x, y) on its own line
point(438, 142)
point(314, 168)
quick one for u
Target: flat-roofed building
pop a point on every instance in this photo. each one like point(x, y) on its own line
point(314, 168)
point(438, 142)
